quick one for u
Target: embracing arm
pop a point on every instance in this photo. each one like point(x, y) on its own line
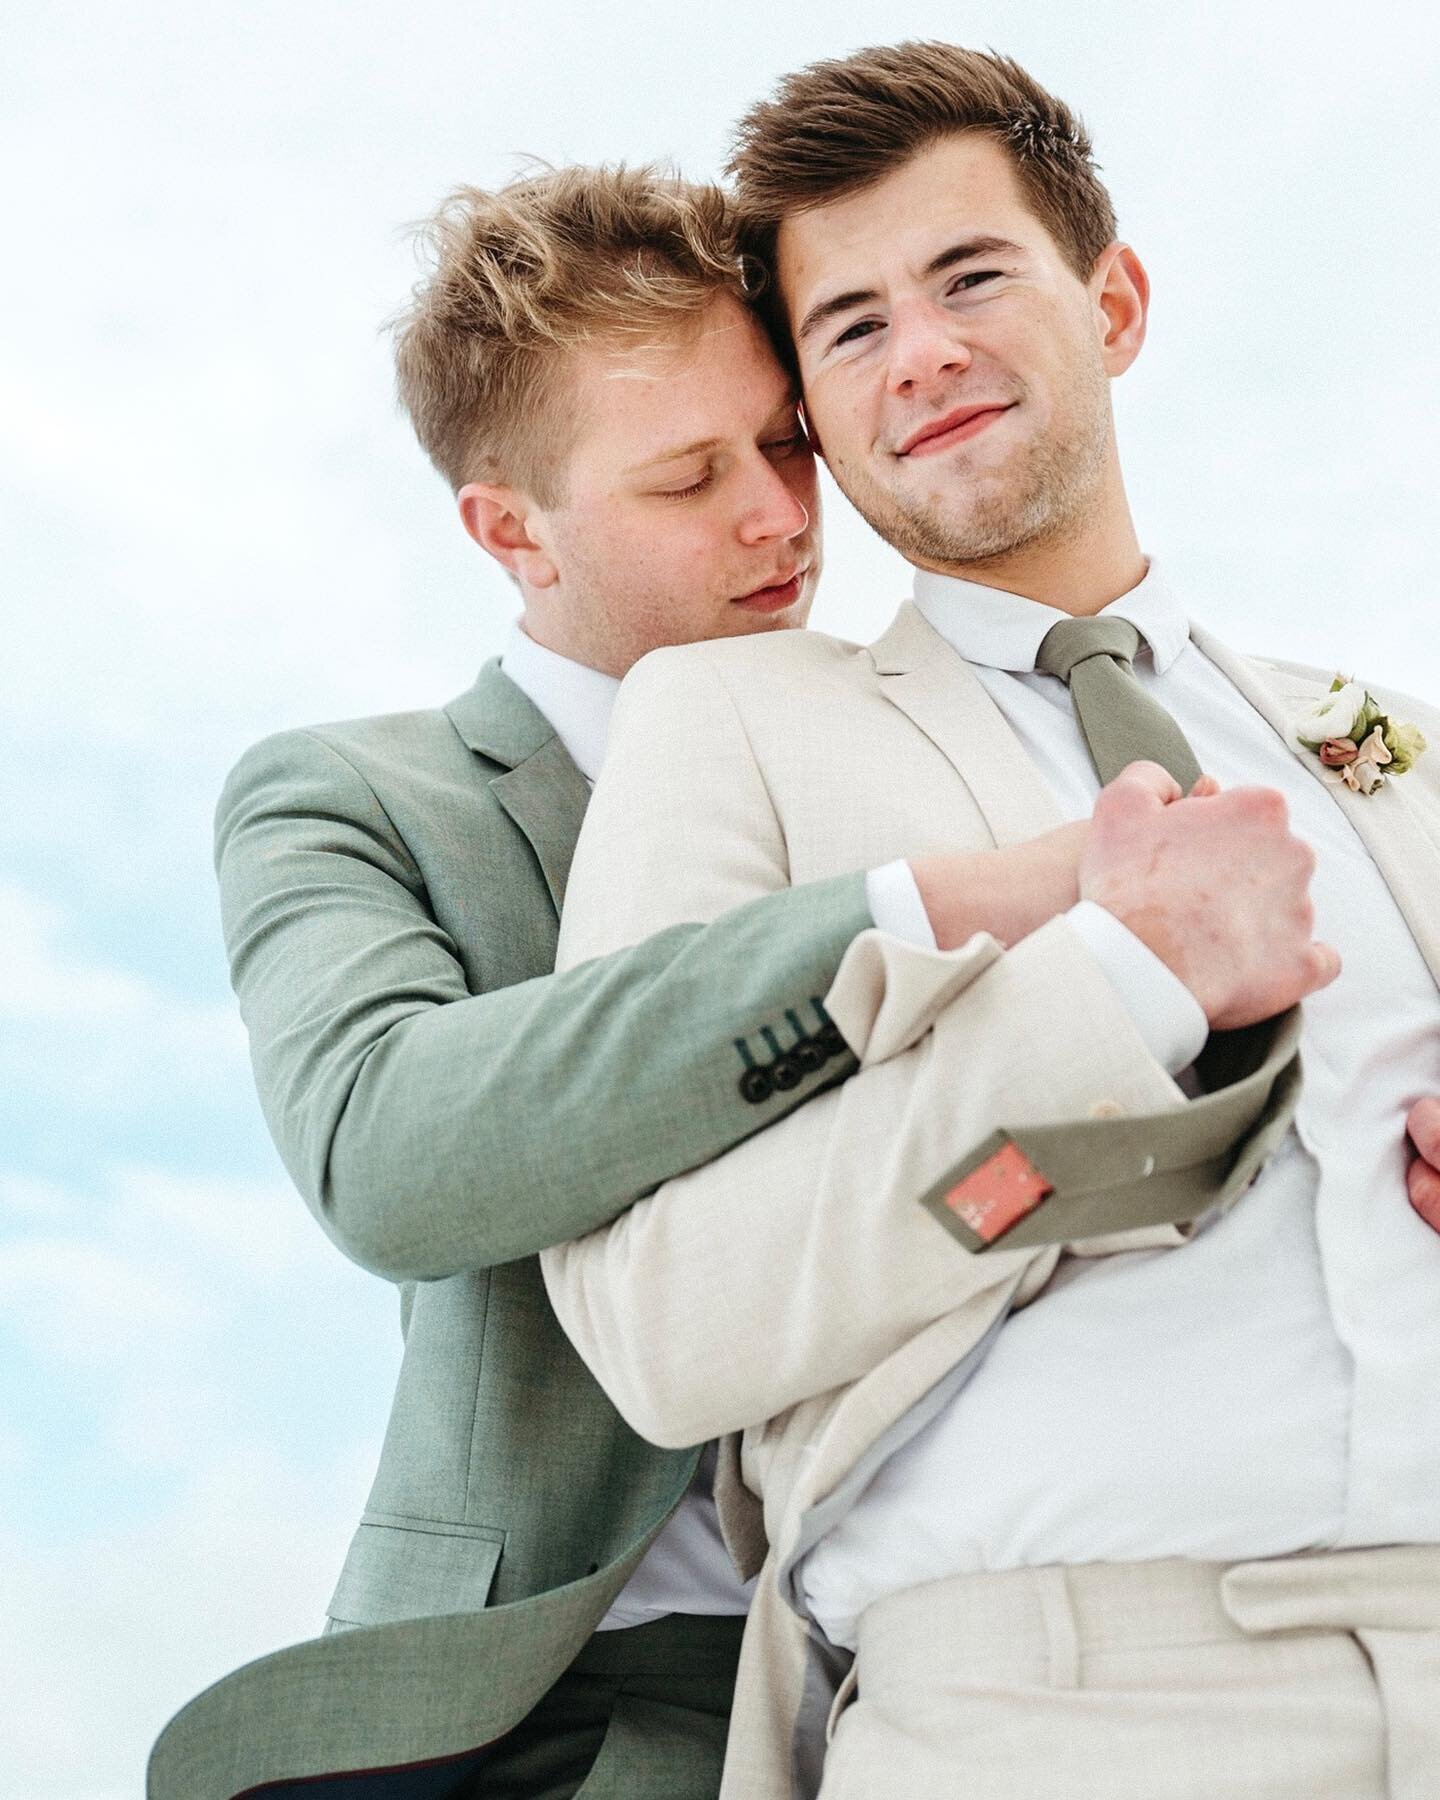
point(433, 1129)
point(802, 1258)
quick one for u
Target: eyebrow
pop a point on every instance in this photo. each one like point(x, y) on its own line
point(701, 445)
point(676, 455)
point(825, 310)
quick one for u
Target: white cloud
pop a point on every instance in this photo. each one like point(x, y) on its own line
point(151, 1281)
point(257, 1230)
point(106, 1636)
point(38, 981)
point(86, 1033)
point(218, 1378)
point(88, 1303)
point(25, 1199)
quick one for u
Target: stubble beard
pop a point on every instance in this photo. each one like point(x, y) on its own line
point(1039, 503)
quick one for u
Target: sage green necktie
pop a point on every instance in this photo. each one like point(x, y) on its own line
point(1121, 723)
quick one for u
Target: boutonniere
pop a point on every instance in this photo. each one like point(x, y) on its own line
point(1350, 735)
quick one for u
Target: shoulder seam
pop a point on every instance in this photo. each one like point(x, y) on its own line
point(314, 732)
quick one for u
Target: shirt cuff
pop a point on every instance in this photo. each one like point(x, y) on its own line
point(893, 896)
point(1166, 1014)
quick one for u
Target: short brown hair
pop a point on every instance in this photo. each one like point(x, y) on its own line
point(837, 127)
point(522, 275)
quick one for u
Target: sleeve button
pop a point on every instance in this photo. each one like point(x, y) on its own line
point(755, 1086)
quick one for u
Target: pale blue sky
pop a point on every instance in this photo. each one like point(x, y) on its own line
point(213, 524)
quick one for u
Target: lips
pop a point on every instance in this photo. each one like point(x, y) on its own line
point(775, 596)
point(953, 427)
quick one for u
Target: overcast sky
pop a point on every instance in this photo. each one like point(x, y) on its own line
point(213, 524)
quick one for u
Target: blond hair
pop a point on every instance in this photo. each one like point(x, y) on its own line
point(522, 276)
point(837, 127)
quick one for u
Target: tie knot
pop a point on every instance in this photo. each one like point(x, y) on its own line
point(1072, 641)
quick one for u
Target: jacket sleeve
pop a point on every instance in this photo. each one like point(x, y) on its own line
point(804, 1257)
point(432, 1129)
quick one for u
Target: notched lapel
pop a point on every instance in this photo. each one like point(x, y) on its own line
point(541, 789)
point(938, 691)
point(546, 796)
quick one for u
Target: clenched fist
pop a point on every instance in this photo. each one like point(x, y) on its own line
point(1216, 885)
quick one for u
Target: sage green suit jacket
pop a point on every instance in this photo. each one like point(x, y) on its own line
point(448, 1108)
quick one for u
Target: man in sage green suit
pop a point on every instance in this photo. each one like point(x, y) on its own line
point(448, 1107)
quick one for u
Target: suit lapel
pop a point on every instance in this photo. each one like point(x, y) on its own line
point(539, 787)
point(1399, 826)
point(546, 796)
point(937, 690)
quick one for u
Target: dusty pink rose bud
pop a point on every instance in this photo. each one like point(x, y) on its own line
point(1336, 752)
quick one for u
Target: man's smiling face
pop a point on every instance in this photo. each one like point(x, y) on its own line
point(955, 366)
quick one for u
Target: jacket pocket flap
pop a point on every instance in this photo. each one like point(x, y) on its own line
point(413, 1571)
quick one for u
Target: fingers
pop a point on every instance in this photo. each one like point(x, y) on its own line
point(1424, 1128)
point(1139, 785)
point(1205, 788)
point(1423, 1183)
point(1322, 965)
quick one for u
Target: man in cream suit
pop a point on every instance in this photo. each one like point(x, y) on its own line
point(1155, 1513)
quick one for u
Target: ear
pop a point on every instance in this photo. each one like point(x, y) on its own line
point(1122, 295)
point(507, 525)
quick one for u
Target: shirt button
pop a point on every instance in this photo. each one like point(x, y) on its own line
point(1107, 1109)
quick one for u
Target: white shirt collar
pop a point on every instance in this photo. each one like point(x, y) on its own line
point(577, 700)
point(1000, 630)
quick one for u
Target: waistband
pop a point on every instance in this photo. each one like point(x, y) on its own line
point(983, 1621)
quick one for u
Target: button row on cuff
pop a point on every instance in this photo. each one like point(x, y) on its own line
point(806, 1057)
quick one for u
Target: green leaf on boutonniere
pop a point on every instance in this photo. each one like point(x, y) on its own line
point(1406, 743)
point(1369, 717)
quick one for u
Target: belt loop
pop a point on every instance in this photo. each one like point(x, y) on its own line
point(1062, 1636)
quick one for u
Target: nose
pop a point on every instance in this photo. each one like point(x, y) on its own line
point(773, 510)
point(925, 342)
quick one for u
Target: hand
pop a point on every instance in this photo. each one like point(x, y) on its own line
point(1009, 892)
point(1423, 1179)
point(1216, 885)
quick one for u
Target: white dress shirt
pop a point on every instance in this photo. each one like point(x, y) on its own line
point(1269, 1386)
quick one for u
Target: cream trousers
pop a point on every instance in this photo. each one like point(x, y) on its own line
point(1312, 1677)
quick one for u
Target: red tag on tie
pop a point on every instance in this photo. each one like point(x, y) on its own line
point(1000, 1192)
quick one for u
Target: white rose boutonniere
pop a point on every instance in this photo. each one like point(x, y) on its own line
point(1350, 735)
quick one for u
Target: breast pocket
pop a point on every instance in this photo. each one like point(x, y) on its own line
point(412, 1571)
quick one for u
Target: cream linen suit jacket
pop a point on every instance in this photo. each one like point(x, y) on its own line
point(793, 1290)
